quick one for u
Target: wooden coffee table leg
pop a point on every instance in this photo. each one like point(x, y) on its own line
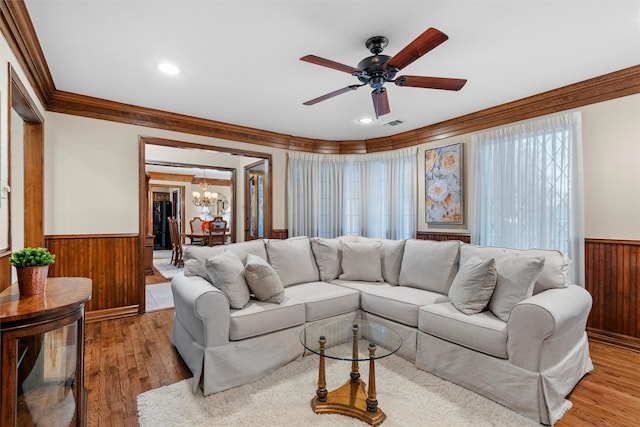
point(355, 368)
point(372, 402)
point(322, 382)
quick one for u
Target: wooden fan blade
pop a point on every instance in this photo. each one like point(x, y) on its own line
point(380, 102)
point(431, 82)
point(331, 95)
point(425, 42)
point(329, 64)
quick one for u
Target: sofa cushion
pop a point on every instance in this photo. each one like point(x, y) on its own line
point(555, 274)
point(482, 331)
point(516, 276)
point(361, 261)
point(473, 286)
point(226, 273)
point(429, 265)
point(293, 260)
point(263, 280)
point(391, 253)
point(360, 285)
point(324, 300)
point(195, 256)
point(259, 318)
point(398, 303)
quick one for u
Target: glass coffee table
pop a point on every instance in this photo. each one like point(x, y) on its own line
point(356, 341)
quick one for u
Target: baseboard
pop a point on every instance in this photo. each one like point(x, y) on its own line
point(611, 338)
point(111, 313)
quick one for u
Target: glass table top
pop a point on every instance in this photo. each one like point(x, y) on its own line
point(339, 336)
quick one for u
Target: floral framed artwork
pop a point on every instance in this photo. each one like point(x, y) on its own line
point(443, 184)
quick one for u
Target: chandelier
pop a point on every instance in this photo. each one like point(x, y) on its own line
point(207, 199)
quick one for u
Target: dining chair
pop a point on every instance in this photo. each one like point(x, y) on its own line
point(196, 227)
point(176, 242)
point(217, 231)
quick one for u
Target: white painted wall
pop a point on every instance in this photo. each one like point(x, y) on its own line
point(611, 136)
point(91, 167)
point(89, 162)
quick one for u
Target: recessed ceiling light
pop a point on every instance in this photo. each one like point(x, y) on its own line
point(169, 69)
point(365, 120)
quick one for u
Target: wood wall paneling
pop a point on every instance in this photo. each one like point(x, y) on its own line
point(279, 234)
point(111, 261)
point(441, 236)
point(611, 276)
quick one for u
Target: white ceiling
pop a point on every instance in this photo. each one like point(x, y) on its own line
point(240, 59)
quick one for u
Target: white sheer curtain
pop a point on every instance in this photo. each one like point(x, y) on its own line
point(528, 187)
point(369, 195)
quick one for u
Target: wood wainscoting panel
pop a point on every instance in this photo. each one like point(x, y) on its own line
point(439, 236)
point(612, 278)
point(111, 261)
point(282, 233)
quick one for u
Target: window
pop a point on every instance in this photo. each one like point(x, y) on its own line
point(369, 195)
point(528, 187)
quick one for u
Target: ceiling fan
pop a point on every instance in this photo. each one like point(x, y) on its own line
point(379, 69)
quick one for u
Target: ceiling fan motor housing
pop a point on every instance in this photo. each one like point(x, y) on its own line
point(374, 71)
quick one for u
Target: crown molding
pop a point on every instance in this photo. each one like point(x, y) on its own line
point(17, 28)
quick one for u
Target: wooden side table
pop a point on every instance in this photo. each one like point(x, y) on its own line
point(42, 338)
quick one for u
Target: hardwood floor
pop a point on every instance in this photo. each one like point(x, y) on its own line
point(125, 357)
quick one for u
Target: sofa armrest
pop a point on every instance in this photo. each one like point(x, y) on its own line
point(202, 309)
point(543, 329)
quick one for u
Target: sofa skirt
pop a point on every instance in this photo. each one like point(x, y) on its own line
point(539, 396)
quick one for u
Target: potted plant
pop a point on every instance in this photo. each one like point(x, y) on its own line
point(32, 266)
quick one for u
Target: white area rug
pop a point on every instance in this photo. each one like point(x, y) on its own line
point(165, 267)
point(409, 397)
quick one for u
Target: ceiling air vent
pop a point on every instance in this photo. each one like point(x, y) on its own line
point(393, 123)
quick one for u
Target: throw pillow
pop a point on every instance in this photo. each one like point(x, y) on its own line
point(391, 253)
point(293, 260)
point(361, 261)
point(263, 280)
point(516, 276)
point(196, 256)
point(473, 286)
point(226, 273)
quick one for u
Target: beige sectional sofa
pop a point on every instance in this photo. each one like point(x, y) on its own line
point(505, 323)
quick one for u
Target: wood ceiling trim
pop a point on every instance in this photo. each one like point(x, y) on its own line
point(166, 176)
point(213, 182)
point(17, 28)
point(609, 86)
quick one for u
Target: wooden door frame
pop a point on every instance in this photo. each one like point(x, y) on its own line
point(267, 199)
point(33, 142)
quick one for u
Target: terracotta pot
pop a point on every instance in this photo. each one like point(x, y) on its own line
point(32, 280)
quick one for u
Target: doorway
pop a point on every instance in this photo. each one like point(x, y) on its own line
point(182, 153)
